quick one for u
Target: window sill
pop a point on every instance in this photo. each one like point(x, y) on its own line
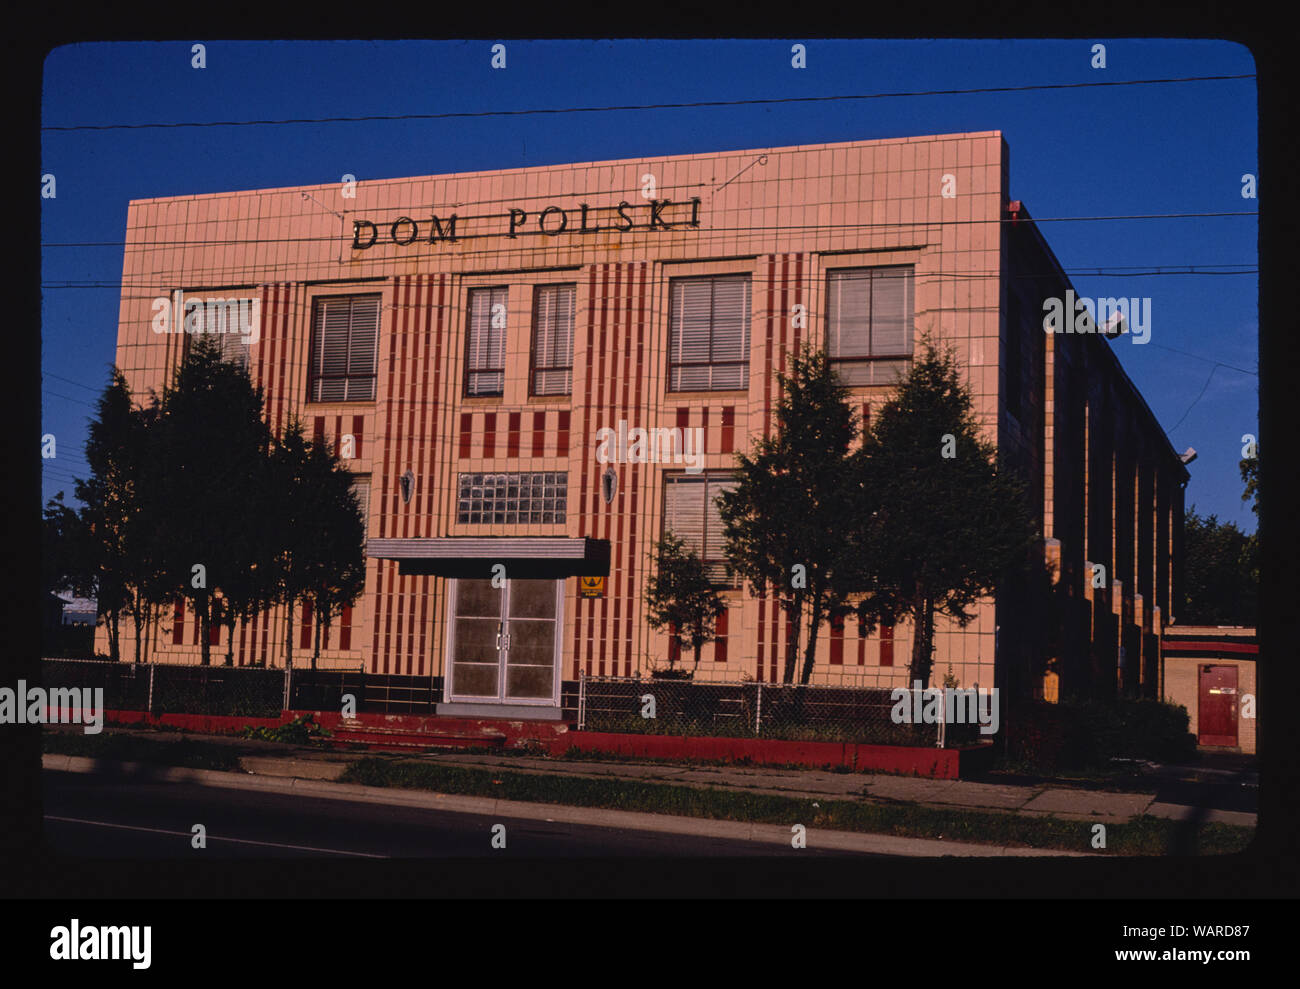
point(688, 395)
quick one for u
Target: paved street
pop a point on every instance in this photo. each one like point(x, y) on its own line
point(113, 818)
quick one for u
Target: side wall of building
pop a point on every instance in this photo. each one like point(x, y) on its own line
point(784, 217)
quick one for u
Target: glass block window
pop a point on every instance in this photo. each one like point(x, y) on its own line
point(536, 497)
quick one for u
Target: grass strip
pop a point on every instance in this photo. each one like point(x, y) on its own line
point(1139, 836)
point(188, 753)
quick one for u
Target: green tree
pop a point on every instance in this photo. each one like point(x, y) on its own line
point(946, 525)
point(1250, 474)
point(148, 588)
point(334, 572)
point(211, 445)
point(785, 520)
point(65, 555)
point(680, 597)
point(320, 532)
point(1221, 572)
point(249, 588)
point(110, 500)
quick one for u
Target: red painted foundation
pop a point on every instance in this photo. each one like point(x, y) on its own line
point(556, 739)
point(897, 759)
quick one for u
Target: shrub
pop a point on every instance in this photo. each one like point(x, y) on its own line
point(1085, 734)
point(300, 731)
point(1155, 730)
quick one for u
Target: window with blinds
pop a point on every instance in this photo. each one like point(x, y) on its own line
point(691, 514)
point(708, 333)
point(344, 345)
point(869, 323)
point(553, 339)
point(222, 320)
point(485, 357)
point(361, 489)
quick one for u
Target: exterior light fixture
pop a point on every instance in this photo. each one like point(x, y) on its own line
point(408, 486)
point(609, 484)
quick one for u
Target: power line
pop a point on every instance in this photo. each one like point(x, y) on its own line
point(51, 374)
point(1208, 360)
point(1198, 398)
point(652, 313)
point(69, 398)
point(460, 115)
point(809, 228)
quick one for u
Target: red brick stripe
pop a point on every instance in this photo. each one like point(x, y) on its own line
point(539, 433)
point(512, 435)
point(466, 433)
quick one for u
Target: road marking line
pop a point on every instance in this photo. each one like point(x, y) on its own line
point(213, 837)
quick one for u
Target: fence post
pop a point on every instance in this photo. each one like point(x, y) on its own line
point(758, 711)
point(149, 703)
point(582, 699)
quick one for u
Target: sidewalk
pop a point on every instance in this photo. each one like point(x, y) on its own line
point(1031, 799)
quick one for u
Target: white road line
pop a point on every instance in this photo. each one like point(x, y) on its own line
point(213, 837)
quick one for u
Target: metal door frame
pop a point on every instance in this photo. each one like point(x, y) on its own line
point(1201, 670)
point(449, 664)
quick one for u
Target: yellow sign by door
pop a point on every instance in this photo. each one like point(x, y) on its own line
point(591, 587)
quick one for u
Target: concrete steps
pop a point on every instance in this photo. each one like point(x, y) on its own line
point(406, 740)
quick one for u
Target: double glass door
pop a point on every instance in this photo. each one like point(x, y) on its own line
point(503, 642)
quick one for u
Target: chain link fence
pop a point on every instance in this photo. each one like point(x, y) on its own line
point(613, 704)
point(234, 691)
point(763, 710)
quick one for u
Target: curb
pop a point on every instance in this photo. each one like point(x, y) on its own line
point(847, 841)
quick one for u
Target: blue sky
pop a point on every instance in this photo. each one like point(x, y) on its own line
point(1088, 152)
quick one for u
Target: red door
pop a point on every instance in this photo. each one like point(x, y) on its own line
point(1217, 717)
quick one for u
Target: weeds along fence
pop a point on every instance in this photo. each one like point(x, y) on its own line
point(613, 704)
point(237, 691)
point(758, 710)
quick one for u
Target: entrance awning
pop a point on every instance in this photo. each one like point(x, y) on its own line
point(524, 557)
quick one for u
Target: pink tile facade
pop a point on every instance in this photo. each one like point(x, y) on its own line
point(783, 216)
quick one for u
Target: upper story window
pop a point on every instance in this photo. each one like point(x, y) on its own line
point(869, 323)
point(485, 354)
point(344, 347)
point(708, 333)
point(691, 514)
point(227, 321)
point(553, 339)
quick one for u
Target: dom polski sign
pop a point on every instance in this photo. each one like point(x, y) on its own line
point(551, 221)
